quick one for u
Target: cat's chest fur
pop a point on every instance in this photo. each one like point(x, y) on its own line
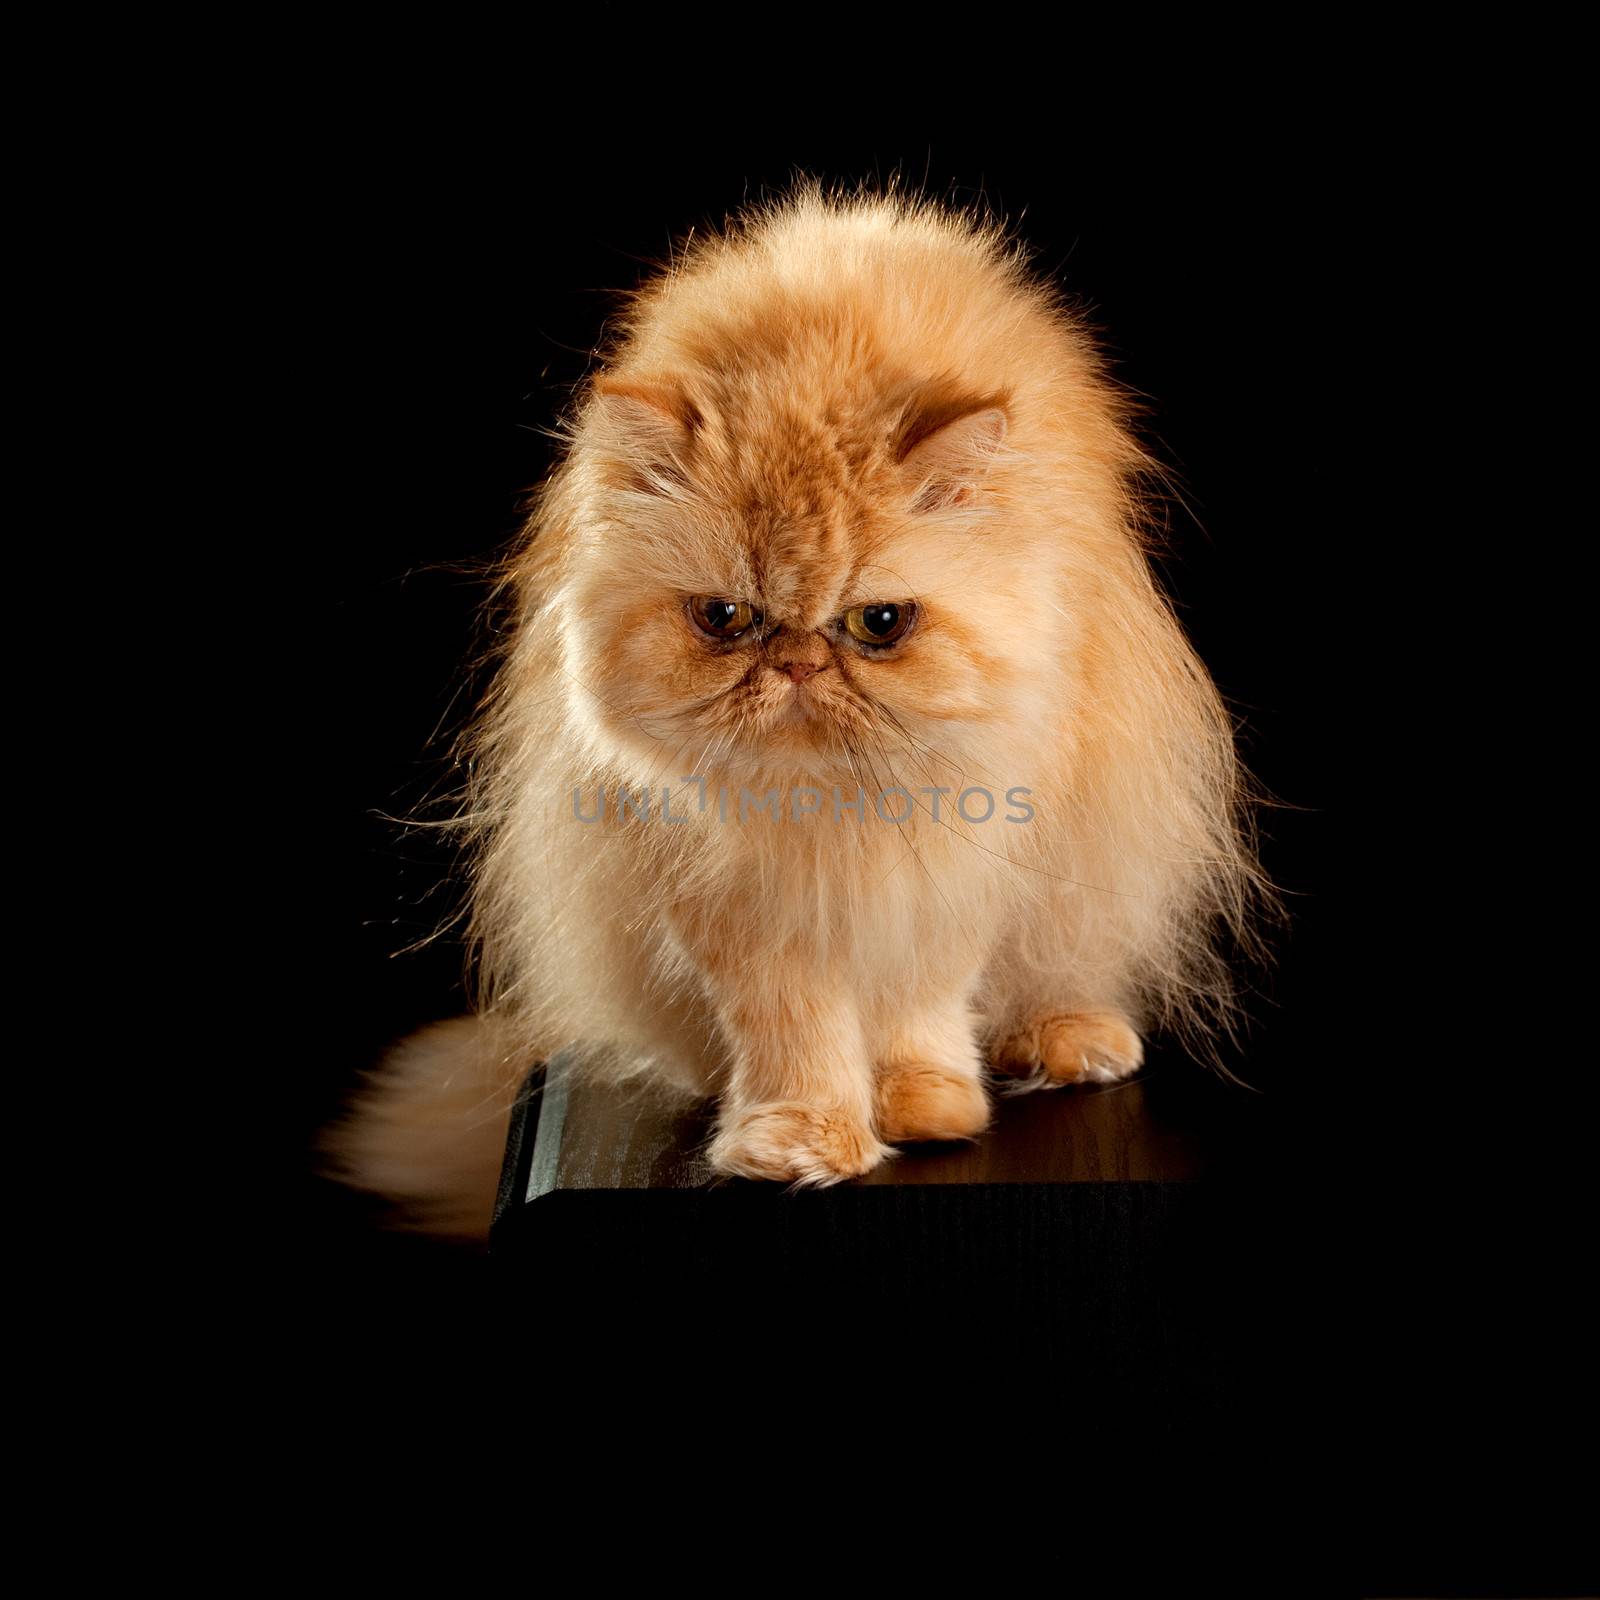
point(867, 899)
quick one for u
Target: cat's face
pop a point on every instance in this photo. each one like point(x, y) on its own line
point(776, 598)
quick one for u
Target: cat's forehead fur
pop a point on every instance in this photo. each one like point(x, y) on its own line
point(806, 488)
point(797, 357)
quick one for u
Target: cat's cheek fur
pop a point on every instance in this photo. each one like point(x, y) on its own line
point(635, 675)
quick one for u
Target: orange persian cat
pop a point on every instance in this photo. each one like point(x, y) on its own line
point(844, 751)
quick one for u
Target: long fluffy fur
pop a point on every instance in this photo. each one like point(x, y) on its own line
point(752, 421)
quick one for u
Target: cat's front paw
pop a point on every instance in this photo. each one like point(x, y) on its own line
point(917, 1101)
point(790, 1142)
point(1071, 1047)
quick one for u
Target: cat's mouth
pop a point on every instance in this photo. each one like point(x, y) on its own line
point(824, 718)
point(802, 707)
point(823, 714)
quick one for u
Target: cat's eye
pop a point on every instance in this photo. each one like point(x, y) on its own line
point(880, 624)
point(722, 619)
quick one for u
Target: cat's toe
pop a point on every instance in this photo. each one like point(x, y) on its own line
point(917, 1101)
point(796, 1143)
point(1071, 1047)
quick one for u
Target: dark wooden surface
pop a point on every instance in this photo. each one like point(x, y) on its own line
point(1112, 1229)
point(1152, 1273)
point(1170, 1126)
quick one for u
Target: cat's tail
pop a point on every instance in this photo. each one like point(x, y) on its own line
point(427, 1129)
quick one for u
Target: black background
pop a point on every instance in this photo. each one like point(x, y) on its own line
point(422, 273)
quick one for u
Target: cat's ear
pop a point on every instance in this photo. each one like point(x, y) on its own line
point(948, 442)
point(644, 428)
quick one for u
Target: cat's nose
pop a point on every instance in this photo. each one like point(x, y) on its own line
point(801, 655)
